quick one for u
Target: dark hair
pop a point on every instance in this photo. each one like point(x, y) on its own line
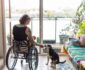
point(49, 46)
point(24, 18)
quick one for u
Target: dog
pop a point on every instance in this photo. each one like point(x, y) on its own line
point(53, 56)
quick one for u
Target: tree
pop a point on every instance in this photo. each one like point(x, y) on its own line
point(80, 12)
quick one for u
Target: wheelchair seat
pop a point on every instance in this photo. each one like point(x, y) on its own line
point(21, 46)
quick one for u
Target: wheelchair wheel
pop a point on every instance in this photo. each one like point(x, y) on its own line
point(33, 58)
point(11, 59)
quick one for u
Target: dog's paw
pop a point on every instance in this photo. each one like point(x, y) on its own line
point(53, 66)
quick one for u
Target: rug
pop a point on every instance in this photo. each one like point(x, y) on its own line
point(66, 66)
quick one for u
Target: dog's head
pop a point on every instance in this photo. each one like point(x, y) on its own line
point(47, 48)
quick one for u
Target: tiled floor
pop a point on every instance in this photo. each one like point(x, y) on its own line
point(41, 66)
point(1, 63)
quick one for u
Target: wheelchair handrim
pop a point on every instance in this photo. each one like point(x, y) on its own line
point(13, 60)
point(33, 62)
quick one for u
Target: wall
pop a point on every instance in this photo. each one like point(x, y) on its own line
point(1, 29)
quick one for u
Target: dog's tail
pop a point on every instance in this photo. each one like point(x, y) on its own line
point(62, 62)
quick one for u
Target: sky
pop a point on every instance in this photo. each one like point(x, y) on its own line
point(57, 5)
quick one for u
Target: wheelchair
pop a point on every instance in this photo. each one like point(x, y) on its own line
point(18, 51)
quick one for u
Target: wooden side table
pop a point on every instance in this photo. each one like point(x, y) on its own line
point(64, 50)
point(82, 65)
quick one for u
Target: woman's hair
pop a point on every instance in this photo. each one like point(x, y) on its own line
point(24, 18)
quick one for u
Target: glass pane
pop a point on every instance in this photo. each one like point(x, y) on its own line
point(24, 7)
point(48, 30)
point(6, 19)
point(19, 8)
point(61, 9)
point(35, 27)
point(61, 24)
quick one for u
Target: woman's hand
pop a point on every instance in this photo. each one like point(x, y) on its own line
point(41, 46)
point(34, 37)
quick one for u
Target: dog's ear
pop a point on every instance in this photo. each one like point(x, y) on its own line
point(49, 46)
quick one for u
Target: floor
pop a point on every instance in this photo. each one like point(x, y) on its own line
point(1, 62)
point(42, 64)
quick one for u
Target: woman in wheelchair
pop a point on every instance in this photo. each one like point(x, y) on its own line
point(22, 39)
point(21, 32)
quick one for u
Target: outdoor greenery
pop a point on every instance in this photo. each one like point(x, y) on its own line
point(80, 12)
point(81, 30)
point(80, 19)
point(46, 13)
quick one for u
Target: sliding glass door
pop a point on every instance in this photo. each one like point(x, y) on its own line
point(49, 30)
point(48, 17)
point(14, 9)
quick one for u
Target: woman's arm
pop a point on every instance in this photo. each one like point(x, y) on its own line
point(29, 34)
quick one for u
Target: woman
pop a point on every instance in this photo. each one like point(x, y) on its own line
point(22, 34)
